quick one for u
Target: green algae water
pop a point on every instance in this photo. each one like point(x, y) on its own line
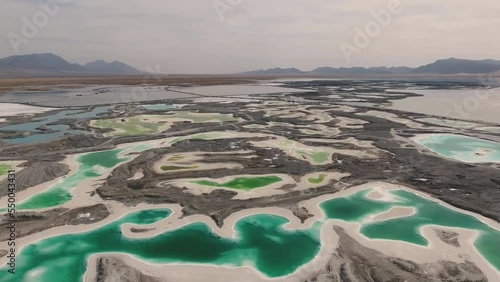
point(159, 107)
point(462, 148)
point(431, 213)
point(357, 208)
point(132, 126)
point(243, 183)
point(353, 208)
point(4, 168)
point(316, 180)
point(90, 165)
point(317, 157)
point(260, 242)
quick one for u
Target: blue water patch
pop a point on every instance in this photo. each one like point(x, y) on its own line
point(54, 130)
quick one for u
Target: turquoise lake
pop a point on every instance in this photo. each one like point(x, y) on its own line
point(462, 148)
point(260, 239)
point(59, 130)
point(89, 166)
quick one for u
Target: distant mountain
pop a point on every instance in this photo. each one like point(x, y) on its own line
point(276, 71)
point(360, 71)
point(40, 65)
point(39, 62)
point(52, 65)
point(489, 61)
point(116, 67)
point(446, 66)
point(457, 66)
point(332, 71)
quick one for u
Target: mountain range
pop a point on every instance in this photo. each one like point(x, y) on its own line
point(445, 67)
point(48, 64)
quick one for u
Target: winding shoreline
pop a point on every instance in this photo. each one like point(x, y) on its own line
point(396, 248)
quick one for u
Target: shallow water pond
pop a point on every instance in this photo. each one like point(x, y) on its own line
point(461, 148)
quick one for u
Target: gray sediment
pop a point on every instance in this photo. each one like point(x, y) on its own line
point(110, 269)
point(449, 237)
point(353, 262)
point(34, 173)
point(28, 223)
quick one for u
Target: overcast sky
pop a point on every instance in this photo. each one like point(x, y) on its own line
point(224, 36)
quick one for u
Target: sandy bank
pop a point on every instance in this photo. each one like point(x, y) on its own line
point(12, 109)
point(395, 212)
point(437, 249)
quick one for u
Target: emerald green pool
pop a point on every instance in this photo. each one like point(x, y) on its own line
point(462, 148)
point(358, 207)
point(317, 157)
point(89, 166)
point(243, 183)
point(141, 125)
point(317, 180)
point(260, 240)
point(133, 126)
point(4, 168)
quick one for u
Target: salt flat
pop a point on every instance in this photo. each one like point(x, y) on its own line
point(474, 104)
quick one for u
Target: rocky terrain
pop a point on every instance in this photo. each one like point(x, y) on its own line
point(28, 223)
point(34, 173)
point(356, 263)
point(368, 142)
point(110, 269)
point(399, 161)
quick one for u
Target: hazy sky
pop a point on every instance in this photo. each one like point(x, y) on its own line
point(224, 36)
